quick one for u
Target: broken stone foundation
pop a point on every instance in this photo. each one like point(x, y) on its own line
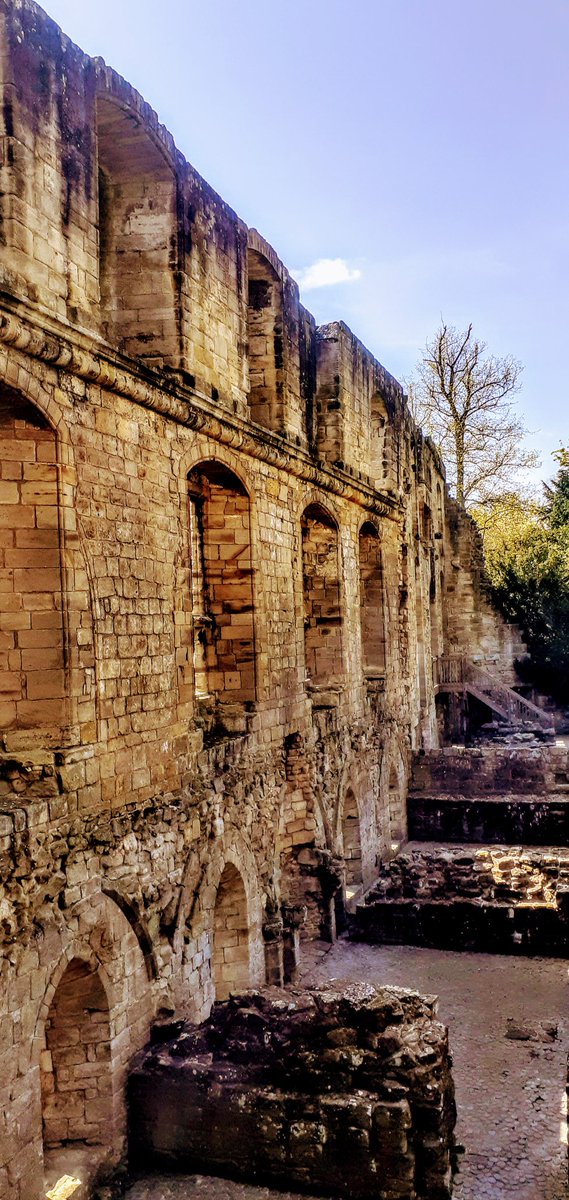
point(344, 1090)
point(487, 868)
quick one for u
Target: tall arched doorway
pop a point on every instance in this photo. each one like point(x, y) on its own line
point(75, 1073)
point(230, 965)
point(351, 844)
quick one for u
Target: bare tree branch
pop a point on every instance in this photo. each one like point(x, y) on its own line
point(463, 397)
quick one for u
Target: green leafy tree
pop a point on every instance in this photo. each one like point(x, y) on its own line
point(527, 558)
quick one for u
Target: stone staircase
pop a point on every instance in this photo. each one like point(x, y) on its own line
point(487, 866)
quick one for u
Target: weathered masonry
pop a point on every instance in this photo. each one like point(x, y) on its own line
point(345, 1089)
point(228, 562)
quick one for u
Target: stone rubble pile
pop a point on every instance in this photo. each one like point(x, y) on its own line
point(344, 1089)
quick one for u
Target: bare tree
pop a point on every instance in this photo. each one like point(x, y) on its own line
point(462, 398)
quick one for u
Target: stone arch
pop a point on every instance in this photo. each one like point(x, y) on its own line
point(351, 841)
point(358, 790)
point(265, 341)
point(98, 957)
point(439, 508)
point(35, 665)
point(221, 593)
point(230, 941)
point(300, 803)
point(372, 601)
point(393, 791)
point(195, 925)
point(138, 237)
point(322, 594)
point(139, 928)
point(76, 1072)
point(46, 616)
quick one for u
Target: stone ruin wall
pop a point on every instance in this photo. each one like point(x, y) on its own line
point(200, 494)
point(341, 1089)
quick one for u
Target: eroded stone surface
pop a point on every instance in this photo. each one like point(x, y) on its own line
point(228, 558)
point(331, 1088)
point(510, 1094)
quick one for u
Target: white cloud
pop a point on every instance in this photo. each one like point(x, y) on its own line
point(326, 273)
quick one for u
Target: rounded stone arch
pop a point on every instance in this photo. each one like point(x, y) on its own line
point(319, 827)
point(372, 520)
point(35, 424)
point(350, 839)
point(392, 817)
point(372, 599)
point(114, 89)
point(323, 596)
point(76, 1073)
point(207, 451)
point(139, 243)
point(96, 978)
point(266, 347)
point(311, 496)
point(380, 437)
point(219, 601)
point(190, 460)
point(194, 933)
point(355, 781)
point(105, 936)
point(36, 393)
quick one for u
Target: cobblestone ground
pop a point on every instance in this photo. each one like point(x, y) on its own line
point(510, 1092)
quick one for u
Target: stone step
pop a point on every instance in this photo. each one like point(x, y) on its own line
point(495, 819)
point(496, 899)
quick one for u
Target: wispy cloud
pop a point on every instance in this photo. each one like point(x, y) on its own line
point(326, 273)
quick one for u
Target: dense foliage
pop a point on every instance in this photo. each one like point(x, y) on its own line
point(527, 557)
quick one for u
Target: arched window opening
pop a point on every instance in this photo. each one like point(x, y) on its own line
point(137, 239)
point(32, 666)
point(322, 604)
point(265, 340)
point(439, 520)
point(372, 609)
point(75, 1073)
point(351, 844)
point(426, 522)
point(222, 586)
point(230, 960)
point(380, 441)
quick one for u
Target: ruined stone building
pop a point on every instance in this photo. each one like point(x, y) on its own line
point(229, 562)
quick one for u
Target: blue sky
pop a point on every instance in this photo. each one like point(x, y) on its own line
point(422, 143)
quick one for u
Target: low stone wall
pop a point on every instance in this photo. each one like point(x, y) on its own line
point(503, 900)
point(342, 1090)
point(472, 771)
point(511, 874)
point(464, 925)
point(499, 820)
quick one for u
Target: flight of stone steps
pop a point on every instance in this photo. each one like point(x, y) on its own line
point(487, 864)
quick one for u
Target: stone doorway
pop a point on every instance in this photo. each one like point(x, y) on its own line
point(230, 964)
point(351, 844)
point(76, 1077)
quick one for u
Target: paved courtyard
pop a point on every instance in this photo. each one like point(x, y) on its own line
point(510, 1090)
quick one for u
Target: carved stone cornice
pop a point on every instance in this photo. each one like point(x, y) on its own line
point(176, 400)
